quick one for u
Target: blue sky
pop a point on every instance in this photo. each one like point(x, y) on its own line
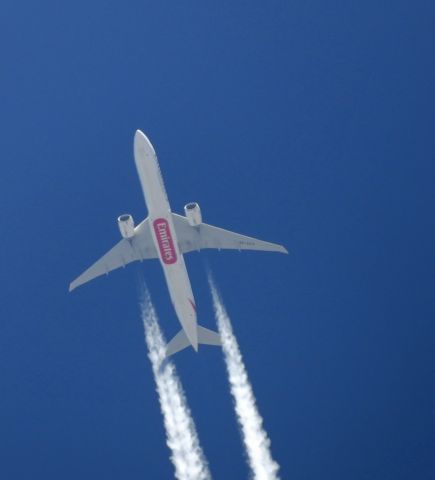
point(305, 123)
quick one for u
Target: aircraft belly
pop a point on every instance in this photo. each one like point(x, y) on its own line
point(150, 177)
point(175, 271)
point(181, 295)
point(164, 236)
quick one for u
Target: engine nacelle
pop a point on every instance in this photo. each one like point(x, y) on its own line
point(126, 226)
point(193, 214)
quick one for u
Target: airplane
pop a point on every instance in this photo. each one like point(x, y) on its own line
point(167, 236)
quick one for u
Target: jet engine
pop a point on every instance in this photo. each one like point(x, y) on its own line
point(126, 226)
point(193, 214)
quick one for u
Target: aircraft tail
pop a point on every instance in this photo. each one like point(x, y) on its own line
point(180, 341)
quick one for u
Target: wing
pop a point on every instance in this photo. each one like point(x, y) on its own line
point(207, 236)
point(140, 247)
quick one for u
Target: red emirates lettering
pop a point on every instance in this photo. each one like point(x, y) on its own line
point(164, 239)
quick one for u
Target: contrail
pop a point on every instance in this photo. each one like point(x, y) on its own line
point(257, 443)
point(186, 453)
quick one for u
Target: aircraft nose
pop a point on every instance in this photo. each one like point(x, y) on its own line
point(141, 141)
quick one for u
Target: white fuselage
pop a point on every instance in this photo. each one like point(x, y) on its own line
point(165, 237)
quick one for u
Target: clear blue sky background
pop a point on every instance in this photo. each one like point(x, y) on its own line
point(309, 123)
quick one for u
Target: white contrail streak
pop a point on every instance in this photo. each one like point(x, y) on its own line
point(186, 453)
point(257, 443)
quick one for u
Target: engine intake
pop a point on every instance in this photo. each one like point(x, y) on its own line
point(193, 214)
point(126, 226)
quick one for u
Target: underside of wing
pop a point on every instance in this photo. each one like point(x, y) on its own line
point(207, 236)
point(139, 247)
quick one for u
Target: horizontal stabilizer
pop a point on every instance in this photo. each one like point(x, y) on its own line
point(208, 337)
point(180, 341)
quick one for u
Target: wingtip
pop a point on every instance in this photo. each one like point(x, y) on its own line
point(281, 249)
